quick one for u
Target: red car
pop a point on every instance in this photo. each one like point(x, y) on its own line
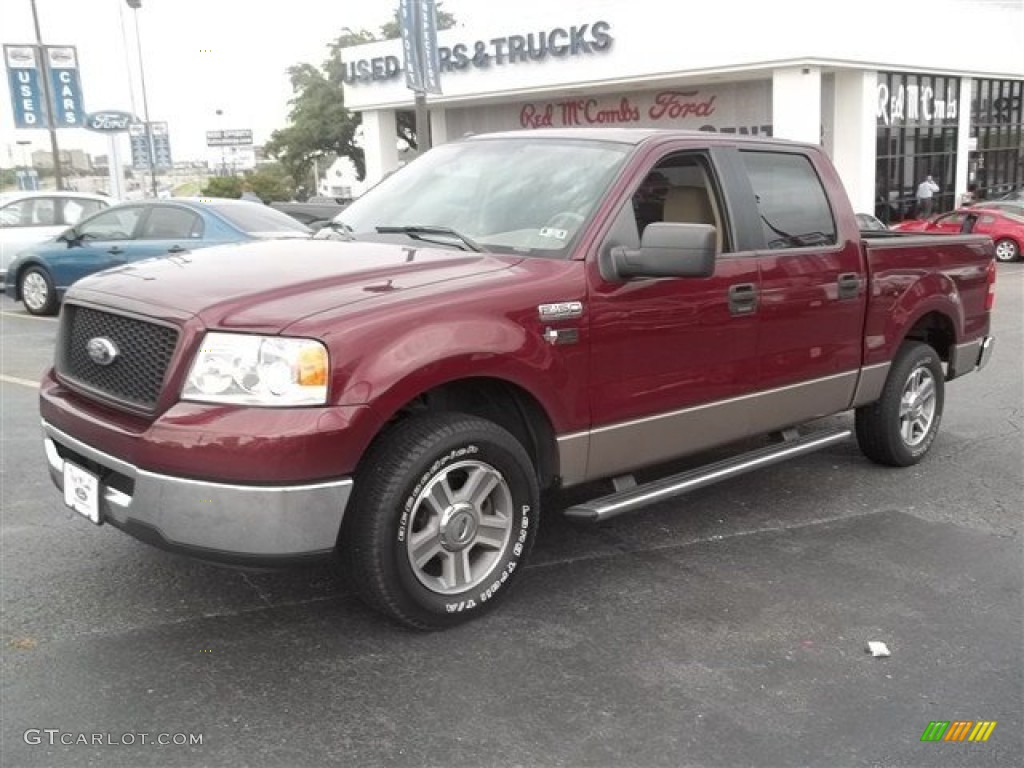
point(1005, 228)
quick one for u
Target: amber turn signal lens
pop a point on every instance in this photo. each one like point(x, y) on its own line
point(312, 366)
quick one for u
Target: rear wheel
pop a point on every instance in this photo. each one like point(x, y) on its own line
point(1007, 250)
point(899, 428)
point(443, 519)
point(37, 291)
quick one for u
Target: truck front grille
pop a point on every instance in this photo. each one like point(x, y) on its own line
point(135, 376)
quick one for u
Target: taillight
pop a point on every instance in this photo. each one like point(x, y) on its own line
point(990, 278)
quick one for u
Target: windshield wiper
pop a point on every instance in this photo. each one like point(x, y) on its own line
point(417, 232)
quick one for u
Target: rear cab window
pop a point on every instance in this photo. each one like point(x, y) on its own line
point(791, 200)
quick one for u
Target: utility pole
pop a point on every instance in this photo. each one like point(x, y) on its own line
point(135, 5)
point(58, 177)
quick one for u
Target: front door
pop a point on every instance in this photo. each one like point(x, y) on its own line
point(671, 358)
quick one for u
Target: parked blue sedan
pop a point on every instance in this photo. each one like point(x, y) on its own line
point(129, 232)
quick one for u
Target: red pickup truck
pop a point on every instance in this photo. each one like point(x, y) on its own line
point(509, 313)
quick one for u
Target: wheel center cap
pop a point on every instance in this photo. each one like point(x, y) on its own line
point(458, 527)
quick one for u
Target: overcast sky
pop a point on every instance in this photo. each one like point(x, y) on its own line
point(199, 55)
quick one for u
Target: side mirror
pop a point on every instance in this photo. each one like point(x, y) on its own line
point(669, 250)
point(68, 236)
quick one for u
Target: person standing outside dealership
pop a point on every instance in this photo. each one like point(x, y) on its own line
point(925, 197)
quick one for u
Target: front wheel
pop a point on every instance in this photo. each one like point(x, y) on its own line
point(899, 428)
point(442, 521)
point(1007, 250)
point(37, 292)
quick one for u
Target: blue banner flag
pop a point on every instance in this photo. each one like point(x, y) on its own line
point(65, 86)
point(407, 13)
point(430, 62)
point(27, 100)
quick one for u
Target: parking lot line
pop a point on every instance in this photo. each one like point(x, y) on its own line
point(15, 380)
point(28, 317)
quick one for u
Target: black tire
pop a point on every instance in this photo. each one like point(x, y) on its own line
point(1007, 250)
point(37, 292)
point(480, 542)
point(896, 433)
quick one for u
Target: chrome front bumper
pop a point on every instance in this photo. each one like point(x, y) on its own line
point(243, 524)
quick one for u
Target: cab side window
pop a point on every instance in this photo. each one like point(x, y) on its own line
point(791, 200)
point(678, 190)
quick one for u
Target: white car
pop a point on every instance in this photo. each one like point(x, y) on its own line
point(28, 218)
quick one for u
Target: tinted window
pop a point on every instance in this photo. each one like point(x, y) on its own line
point(167, 223)
point(791, 200)
point(115, 224)
point(255, 219)
point(76, 209)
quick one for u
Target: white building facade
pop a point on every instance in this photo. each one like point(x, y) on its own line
point(893, 91)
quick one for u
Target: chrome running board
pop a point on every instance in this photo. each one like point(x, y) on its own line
point(631, 499)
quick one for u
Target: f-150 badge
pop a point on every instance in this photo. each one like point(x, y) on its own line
point(563, 310)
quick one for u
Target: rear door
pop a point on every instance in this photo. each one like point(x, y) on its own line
point(168, 229)
point(813, 289)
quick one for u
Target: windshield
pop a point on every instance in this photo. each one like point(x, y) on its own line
point(508, 195)
point(259, 220)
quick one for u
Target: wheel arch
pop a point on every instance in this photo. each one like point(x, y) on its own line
point(508, 404)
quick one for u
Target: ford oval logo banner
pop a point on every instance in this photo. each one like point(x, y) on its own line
point(101, 350)
point(109, 121)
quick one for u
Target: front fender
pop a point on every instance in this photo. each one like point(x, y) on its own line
point(429, 355)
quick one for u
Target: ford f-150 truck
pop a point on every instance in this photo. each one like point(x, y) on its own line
point(509, 313)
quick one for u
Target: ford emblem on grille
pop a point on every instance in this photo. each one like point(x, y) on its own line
point(102, 350)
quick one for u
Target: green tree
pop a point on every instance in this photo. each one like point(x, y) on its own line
point(271, 183)
point(223, 186)
point(319, 126)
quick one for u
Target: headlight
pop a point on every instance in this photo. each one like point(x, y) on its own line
point(258, 370)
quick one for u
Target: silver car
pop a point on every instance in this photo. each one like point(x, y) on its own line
point(28, 218)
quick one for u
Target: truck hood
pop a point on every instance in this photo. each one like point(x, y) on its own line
point(265, 286)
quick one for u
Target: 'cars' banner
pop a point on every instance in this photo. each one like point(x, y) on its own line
point(27, 100)
point(65, 86)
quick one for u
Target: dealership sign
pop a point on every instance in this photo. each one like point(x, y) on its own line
point(110, 121)
point(24, 77)
point(910, 103)
point(556, 43)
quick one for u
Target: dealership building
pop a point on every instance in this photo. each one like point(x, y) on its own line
point(893, 91)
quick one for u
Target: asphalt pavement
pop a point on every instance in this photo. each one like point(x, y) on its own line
point(726, 628)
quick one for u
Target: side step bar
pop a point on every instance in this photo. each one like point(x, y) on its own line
point(631, 499)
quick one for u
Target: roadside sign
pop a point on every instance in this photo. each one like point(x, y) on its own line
point(161, 146)
point(140, 146)
point(23, 77)
point(65, 86)
point(236, 137)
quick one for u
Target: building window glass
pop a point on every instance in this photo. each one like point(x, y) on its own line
point(996, 161)
point(917, 123)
